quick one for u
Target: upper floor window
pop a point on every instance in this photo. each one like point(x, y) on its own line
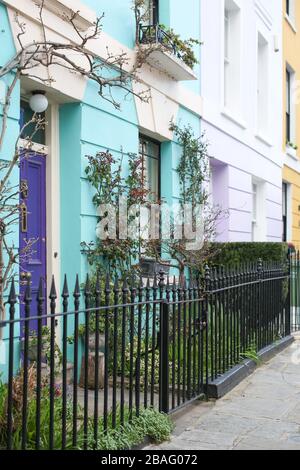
point(153, 8)
point(262, 84)
point(232, 52)
point(290, 9)
point(290, 108)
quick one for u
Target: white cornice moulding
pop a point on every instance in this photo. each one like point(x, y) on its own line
point(74, 87)
point(263, 14)
point(85, 17)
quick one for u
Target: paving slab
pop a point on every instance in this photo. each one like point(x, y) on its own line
point(261, 413)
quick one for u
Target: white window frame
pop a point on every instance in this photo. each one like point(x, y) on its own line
point(263, 122)
point(289, 217)
point(291, 16)
point(231, 105)
point(258, 216)
point(254, 210)
point(292, 74)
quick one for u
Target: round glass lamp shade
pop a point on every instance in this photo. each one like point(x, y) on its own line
point(38, 103)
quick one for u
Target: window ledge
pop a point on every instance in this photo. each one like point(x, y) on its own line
point(234, 118)
point(264, 139)
point(291, 152)
point(291, 22)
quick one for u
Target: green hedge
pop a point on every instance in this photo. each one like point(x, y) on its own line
point(232, 254)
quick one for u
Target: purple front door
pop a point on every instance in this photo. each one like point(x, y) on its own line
point(33, 227)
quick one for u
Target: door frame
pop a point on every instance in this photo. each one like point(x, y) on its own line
point(52, 156)
point(53, 199)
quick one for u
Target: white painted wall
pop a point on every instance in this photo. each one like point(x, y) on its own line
point(233, 134)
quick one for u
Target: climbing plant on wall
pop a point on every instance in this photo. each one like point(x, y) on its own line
point(193, 173)
point(117, 252)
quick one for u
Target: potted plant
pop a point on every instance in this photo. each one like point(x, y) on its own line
point(93, 333)
point(33, 345)
point(45, 352)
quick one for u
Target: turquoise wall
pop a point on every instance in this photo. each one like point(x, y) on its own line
point(96, 125)
point(7, 151)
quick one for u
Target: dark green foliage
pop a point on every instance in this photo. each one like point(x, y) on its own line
point(233, 254)
point(150, 423)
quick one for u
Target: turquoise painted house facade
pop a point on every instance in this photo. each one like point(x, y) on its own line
point(81, 123)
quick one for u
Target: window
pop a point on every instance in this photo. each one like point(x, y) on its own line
point(284, 211)
point(232, 60)
point(153, 8)
point(290, 9)
point(26, 114)
point(155, 12)
point(150, 153)
point(254, 211)
point(259, 219)
point(226, 38)
point(288, 106)
point(290, 111)
point(262, 85)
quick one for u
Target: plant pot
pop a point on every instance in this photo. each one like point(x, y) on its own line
point(92, 342)
point(149, 267)
point(91, 370)
point(33, 349)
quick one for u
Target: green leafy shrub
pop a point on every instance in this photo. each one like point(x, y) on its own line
point(17, 402)
point(185, 47)
point(150, 423)
point(233, 254)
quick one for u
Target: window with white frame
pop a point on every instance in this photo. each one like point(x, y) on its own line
point(290, 112)
point(262, 85)
point(259, 229)
point(254, 211)
point(286, 211)
point(290, 9)
point(150, 155)
point(149, 151)
point(232, 56)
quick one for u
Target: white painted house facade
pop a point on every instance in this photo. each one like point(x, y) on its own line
point(241, 73)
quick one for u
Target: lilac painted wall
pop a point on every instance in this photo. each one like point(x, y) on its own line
point(232, 187)
point(248, 154)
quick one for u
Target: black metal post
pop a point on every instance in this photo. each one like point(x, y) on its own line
point(164, 358)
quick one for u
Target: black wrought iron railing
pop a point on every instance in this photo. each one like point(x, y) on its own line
point(155, 34)
point(295, 291)
point(117, 348)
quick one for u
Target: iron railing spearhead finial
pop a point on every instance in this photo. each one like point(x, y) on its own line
point(65, 292)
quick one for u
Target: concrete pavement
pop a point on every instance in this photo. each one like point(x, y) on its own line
point(261, 413)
